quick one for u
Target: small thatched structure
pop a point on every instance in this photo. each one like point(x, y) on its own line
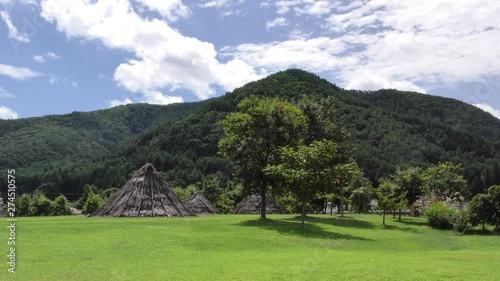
point(251, 205)
point(145, 195)
point(199, 204)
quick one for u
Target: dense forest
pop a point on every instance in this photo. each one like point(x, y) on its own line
point(387, 129)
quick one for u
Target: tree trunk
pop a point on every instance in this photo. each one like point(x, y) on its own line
point(394, 214)
point(331, 207)
point(341, 200)
point(263, 201)
point(400, 211)
point(303, 212)
point(383, 217)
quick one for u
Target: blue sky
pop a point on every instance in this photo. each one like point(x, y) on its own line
point(59, 56)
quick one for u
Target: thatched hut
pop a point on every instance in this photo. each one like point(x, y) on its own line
point(251, 205)
point(199, 204)
point(145, 195)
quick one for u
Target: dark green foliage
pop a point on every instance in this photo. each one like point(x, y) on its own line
point(24, 206)
point(41, 205)
point(306, 170)
point(254, 135)
point(360, 199)
point(60, 206)
point(441, 215)
point(386, 129)
point(185, 193)
point(494, 195)
point(411, 182)
point(445, 182)
point(93, 202)
point(481, 210)
point(386, 202)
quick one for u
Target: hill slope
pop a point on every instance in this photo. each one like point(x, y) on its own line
point(52, 140)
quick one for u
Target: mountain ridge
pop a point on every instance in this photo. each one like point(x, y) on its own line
point(388, 128)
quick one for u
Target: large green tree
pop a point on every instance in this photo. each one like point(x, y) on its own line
point(410, 182)
point(253, 136)
point(306, 170)
point(445, 182)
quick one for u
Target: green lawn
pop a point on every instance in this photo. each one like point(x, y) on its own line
point(240, 247)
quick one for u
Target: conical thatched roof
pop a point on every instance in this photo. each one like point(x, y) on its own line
point(145, 195)
point(251, 205)
point(199, 204)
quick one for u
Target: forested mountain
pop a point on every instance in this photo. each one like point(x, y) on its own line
point(387, 128)
point(57, 139)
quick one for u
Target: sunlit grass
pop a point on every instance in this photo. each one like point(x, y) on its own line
point(244, 248)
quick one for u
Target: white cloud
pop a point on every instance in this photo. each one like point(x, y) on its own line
point(19, 73)
point(114, 103)
point(369, 81)
point(74, 84)
point(155, 97)
point(52, 55)
point(53, 80)
point(39, 59)
point(4, 94)
point(315, 8)
point(218, 3)
point(399, 44)
point(164, 58)
point(13, 32)
point(488, 108)
point(170, 9)
point(316, 54)
point(7, 113)
point(48, 55)
point(276, 22)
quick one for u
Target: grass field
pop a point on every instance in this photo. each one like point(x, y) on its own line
point(240, 247)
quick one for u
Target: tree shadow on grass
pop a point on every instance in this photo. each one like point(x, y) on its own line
point(395, 227)
point(346, 221)
point(411, 222)
point(480, 232)
point(287, 227)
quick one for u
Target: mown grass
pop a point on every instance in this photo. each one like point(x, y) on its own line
point(244, 248)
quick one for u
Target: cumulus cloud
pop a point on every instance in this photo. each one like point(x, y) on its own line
point(276, 22)
point(52, 55)
point(113, 103)
point(156, 97)
point(370, 81)
point(13, 32)
point(39, 59)
point(18, 73)
point(488, 108)
point(402, 44)
point(169, 9)
point(164, 58)
point(4, 94)
point(7, 113)
point(48, 55)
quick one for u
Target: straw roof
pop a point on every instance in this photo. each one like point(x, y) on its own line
point(251, 205)
point(144, 195)
point(199, 204)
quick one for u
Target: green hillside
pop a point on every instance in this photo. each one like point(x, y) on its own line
point(52, 140)
point(387, 128)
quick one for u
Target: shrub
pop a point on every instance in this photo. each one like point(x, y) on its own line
point(94, 201)
point(60, 206)
point(461, 222)
point(41, 204)
point(24, 205)
point(481, 210)
point(441, 215)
